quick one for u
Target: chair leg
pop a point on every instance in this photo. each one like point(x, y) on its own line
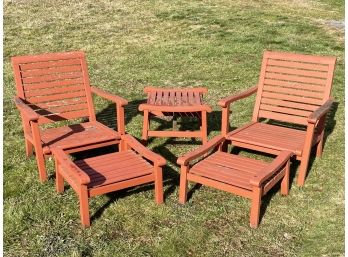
point(183, 185)
point(41, 165)
point(305, 155)
point(28, 148)
point(255, 207)
point(158, 185)
point(84, 206)
point(146, 124)
point(284, 187)
point(303, 167)
point(204, 128)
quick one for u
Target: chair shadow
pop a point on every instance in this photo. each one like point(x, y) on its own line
point(108, 115)
point(170, 181)
point(330, 124)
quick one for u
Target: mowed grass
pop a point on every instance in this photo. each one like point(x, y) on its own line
point(131, 44)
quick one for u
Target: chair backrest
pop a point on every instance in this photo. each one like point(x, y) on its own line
point(55, 85)
point(291, 86)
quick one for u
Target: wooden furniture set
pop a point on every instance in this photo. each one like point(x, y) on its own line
point(292, 101)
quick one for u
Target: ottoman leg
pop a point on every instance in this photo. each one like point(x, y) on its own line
point(28, 148)
point(284, 187)
point(204, 129)
point(158, 185)
point(183, 185)
point(59, 182)
point(84, 206)
point(255, 207)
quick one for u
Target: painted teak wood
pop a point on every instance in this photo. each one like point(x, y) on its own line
point(132, 165)
point(175, 102)
point(294, 89)
point(235, 174)
point(55, 87)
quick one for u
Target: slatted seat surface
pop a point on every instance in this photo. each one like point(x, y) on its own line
point(77, 135)
point(175, 97)
point(54, 85)
point(114, 167)
point(292, 86)
point(229, 169)
point(270, 136)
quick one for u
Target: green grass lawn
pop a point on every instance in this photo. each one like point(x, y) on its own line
point(131, 44)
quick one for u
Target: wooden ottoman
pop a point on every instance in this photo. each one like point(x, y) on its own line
point(110, 172)
point(235, 174)
point(175, 102)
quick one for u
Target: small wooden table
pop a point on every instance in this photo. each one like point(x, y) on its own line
point(175, 102)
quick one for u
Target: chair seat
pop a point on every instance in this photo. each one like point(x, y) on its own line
point(270, 136)
point(229, 169)
point(114, 167)
point(77, 135)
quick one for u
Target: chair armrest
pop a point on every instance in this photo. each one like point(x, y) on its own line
point(225, 102)
point(28, 112)
point(200, 151)
point(322, 110)
point(69, 167)
point(117, 99)
point(142, 150)
point(271, 169)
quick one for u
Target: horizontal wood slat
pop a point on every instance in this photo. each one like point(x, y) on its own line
point(50, 71)
point(50, 84)
point(293, 98)
point(124, 155)
point(40, 64)
point(52, 77)
point(283, 117)
point(294, 105)
point(78, 135)
point(294, 85)
point(64, 102)
point(301, 58)
point(42, 99)
point(298, 65)
point(54, 90)
point(63, 116)
point(306, 73)
point(293, 78)
point(285, 110)
point(128, 164)
point(291, 91)
point(118, 173)
point(61, 109)
point(98, 190)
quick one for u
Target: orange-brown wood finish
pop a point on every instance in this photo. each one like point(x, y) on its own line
point(55, 87)
point(133, 165)
point(235, 174)
point(293, 88)
point(175, 102)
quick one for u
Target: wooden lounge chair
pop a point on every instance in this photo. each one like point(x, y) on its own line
point(234, 174)
point(133, 165)
point(55, 87)
point(292, 88)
